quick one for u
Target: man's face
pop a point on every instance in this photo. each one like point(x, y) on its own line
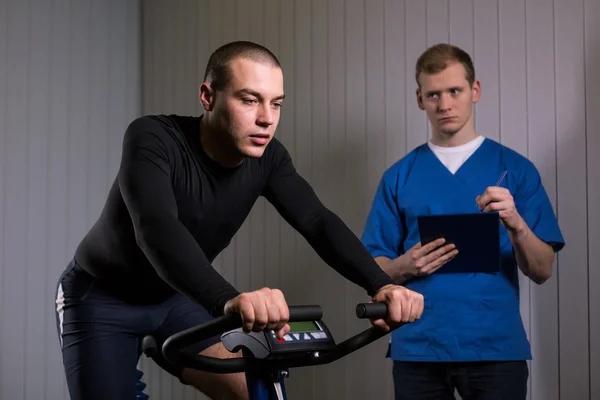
point(448, 99)
point(248, 108)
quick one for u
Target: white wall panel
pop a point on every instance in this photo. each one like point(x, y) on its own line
point(69, 84)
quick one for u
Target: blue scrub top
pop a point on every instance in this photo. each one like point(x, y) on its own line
point(467, 316)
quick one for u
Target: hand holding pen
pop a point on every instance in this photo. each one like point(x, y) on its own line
point(499, 199)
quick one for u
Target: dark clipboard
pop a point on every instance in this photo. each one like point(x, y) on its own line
point(476, 237)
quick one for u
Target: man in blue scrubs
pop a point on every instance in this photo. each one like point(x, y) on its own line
point(471, 337)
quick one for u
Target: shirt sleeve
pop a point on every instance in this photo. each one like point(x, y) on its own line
point(145, 182)
point(533, 204)
point(384, 231)
point(325, 232)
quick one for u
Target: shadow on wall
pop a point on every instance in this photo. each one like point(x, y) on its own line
point(337, 174)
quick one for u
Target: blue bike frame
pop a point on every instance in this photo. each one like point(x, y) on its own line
point(266, 385)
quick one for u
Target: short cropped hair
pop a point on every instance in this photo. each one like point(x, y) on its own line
point(217, 68)
point(436, 59)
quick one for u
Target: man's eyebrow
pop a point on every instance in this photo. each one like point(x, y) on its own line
point(430, 92)
point(256, 94)
point(248, 91)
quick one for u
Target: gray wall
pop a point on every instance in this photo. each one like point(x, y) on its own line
point(351, 112)
point(71, 77)
point(69, 84)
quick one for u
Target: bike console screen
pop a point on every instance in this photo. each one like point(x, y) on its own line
point(304, 336)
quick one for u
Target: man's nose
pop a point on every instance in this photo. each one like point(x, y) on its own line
point(265, 116)
point(444, 103)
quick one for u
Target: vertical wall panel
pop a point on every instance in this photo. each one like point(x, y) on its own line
point(572, 199)
point(355, 164)
point(78, 129)
point(485, 57)
point(437, 21)
point(16, 186)
point(398, 94)
point(202, 49)
point(544, 380)
point(513, 99)
point(58, 211)
point(4, 68)
point(299, 87)
point(376, 164)
point(168, 53)
point(321, 161)
point(152, 89)
point(461, 24)
point(541, 133)
point(4, 40)
point(97, 145)
point(131, 26)
point(512, 68)
point(415, 29)
point(58, 119)
point(592, 84)
point(148, 45)
point(37, 155)
point(186, 74)
point(337, 91)
point(375, 104)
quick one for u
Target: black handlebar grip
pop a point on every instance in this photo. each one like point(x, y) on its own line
point(371, 310)
point(305, 313)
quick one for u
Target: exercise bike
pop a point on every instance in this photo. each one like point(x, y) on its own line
point(266, 359)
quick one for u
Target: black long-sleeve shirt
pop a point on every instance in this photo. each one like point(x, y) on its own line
point(172, 210)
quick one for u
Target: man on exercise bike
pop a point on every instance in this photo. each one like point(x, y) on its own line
point(184, 187)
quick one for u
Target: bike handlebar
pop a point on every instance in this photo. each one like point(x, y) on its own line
point(173, 345)
point(371, 310)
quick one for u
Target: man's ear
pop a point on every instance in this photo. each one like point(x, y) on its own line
point(420, 99)
point(476, 91)
point(207, 96)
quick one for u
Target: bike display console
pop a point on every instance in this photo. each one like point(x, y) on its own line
point(306, 336)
